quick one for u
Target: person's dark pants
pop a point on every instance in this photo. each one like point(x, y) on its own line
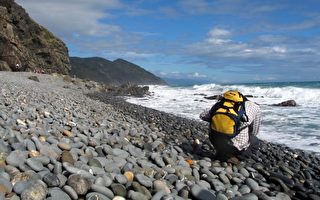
point(225, 149)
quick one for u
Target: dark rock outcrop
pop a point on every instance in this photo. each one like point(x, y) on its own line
point(214, 97)
point(34, 78)
point(128, 90)
point(287, 103)
point(28, 44)
point(4, 66)
point(116, 72)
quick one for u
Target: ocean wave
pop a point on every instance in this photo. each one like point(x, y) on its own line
point(301, 95)
point(296, 127)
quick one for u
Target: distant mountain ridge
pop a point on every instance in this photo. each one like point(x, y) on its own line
point(115, 72)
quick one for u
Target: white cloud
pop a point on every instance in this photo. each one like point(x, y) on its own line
point(272, 39)
point(217, 41)
point(218, 45)
point(163, 74)
point(73, 17)
point(242, 8)
point(218, 36)
point(308, 51)
point(183, 75)
point(218, 33)
point(310, 23)
point(198, 75)
point(129, 55)
point(267, 78)
point(278, 49)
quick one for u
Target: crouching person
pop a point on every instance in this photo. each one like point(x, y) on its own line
point(234, 124)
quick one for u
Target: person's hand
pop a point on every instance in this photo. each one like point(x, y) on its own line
point(205, 115)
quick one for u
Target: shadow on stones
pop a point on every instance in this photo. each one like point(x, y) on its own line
point(197, 151)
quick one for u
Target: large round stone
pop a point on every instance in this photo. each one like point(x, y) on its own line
point(80, 184)
point(35, 192)
point(51, 180)
point(201, 193)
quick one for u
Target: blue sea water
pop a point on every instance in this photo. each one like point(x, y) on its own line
point(297, 127)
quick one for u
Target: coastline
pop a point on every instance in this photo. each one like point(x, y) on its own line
point(293, 126)
point(114, 137)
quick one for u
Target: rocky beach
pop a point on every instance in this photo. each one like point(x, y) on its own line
point(64, 138)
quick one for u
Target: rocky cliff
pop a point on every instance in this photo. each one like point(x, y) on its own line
point(112, 72)
point(28, 44)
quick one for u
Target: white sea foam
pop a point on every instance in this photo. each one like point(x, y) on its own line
point(297, 127)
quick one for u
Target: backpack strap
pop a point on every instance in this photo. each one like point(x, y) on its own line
point(215, 107)
point(243, 116)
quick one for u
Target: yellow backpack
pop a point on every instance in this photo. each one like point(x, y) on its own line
point(228, 114)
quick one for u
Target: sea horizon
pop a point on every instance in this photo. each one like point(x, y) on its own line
point(188, 83)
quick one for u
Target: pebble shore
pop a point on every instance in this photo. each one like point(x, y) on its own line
point(62, 139)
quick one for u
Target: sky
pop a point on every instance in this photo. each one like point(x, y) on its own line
point(220, 41)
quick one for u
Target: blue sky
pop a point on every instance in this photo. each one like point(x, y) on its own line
point(217, 41)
